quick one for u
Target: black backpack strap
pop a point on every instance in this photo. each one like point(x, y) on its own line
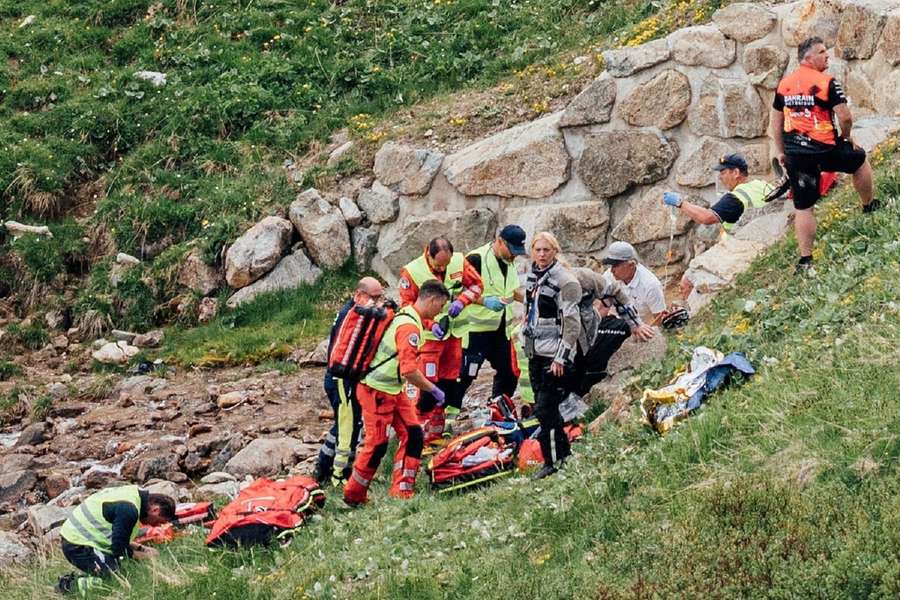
point(389, 358)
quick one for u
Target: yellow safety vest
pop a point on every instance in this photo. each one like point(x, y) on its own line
point(750, 194)
point(478, 318)
point(420, 272)
point(87, 527)
point(385, 377)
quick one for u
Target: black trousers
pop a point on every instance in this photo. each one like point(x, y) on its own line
point(88, 559)
point(549, 392)
point(494, 347)
point(591, 368)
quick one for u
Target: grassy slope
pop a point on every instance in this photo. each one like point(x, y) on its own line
point(249, 84)
point(785, 487)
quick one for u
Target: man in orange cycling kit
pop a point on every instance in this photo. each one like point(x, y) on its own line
point(807, 103)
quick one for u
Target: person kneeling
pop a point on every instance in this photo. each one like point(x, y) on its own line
point(100, 532)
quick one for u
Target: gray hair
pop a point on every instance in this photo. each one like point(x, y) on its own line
point(806, 45)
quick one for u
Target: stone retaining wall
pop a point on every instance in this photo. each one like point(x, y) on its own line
point(658, 118)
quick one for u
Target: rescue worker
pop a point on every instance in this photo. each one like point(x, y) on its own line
point(99, 533)
point(487, 325)
point(385, 403)
point(602, 335)
point(552, 328)
point(807, 103)
point(743, 193)
point(441, 357)
point(339, 448)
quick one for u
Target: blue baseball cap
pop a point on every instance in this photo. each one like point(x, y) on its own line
point(514, 236)
point(731, 161)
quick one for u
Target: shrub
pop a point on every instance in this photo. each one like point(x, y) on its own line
point(31, 336)
point(8, 370)
point(47, 258)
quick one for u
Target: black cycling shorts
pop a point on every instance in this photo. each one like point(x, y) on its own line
point(804, 170)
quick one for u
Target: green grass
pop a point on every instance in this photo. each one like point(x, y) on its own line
point(249, 84)
point(264, 330)
point(785, 487)
point(8, 370)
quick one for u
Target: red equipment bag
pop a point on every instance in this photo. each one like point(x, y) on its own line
point(266, 510)
point(530, 454)
point(357, 340)
point(472, 458)
point(194, 512)
point(185, 514)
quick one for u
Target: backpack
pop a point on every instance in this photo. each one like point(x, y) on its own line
point(357, 340)
point(266, 510)
point(530, 454)
point(475, 457)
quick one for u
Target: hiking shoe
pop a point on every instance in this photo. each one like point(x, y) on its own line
point(65, 584)
point(872, 206)
point(805, 269)
point(546, 471)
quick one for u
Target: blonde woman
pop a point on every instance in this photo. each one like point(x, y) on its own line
point(552, 327)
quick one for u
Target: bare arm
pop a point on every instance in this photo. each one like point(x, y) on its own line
point(418, 379)
point(844, 119)
point(700, 214)
point(776, 122)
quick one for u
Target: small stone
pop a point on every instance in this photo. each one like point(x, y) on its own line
point(123, 336)
point(12, 550)
point(232, 399)
point(156, 78)
point(60, 342)
point(209, 308)
point(381, 205)
point(593, 105)
point(624, 62)
point(217, 477)
point(151, 339)
point(55, 484)
point(126, 259)
point(42, 518)
point(352, 215)
point(338, 154)
point(31, 435)
point(662, 101)
point(200, 428)
point(226, 490)
point(15, 484)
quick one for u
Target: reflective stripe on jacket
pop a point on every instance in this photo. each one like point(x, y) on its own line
point(385, 377)
point(751, 194)
point(86, 525)
point(476, 317)
point(420, 272)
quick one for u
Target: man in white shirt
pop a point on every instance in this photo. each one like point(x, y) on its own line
point(641, 284)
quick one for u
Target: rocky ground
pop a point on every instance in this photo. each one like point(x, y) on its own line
point(193, 434)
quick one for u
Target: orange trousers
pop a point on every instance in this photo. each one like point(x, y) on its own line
point(441, 362)
point(380, 410)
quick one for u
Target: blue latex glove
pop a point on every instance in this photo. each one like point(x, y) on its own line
point(493, 303)
point(440, 398)
point(455, 308)
point(437, 331)
point(672, 199)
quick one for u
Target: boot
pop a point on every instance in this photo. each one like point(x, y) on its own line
point(546, 471)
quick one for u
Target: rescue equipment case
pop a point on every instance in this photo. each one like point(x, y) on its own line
point(266, 510)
